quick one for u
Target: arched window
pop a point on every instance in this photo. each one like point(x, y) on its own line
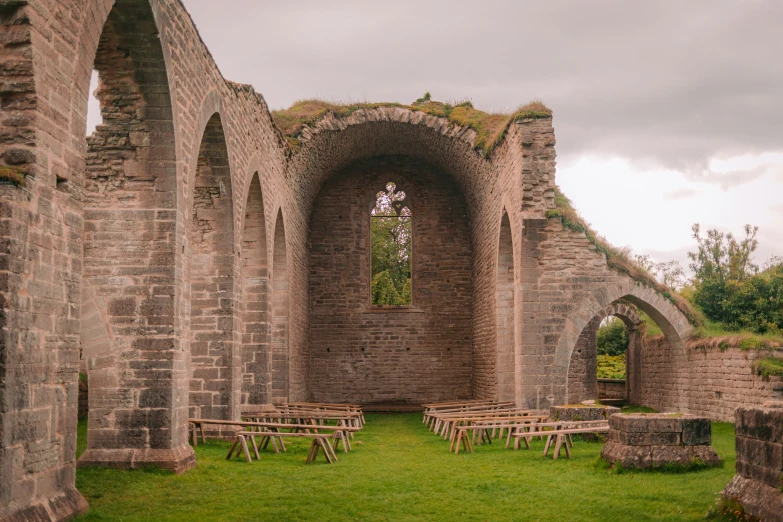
point(391, 232)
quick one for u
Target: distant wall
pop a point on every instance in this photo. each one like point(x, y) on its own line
point(611, 388)
point(702, 379)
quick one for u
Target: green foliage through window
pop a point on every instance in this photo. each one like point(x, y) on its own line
point(391, 231)
point(612, 337)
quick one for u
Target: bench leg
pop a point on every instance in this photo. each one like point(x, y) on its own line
point(245, 448)
point(194, 435)
point(231, 450)
point(255, 448)
point(508, 438)
point(546, 446)
point(570, 441)
point(568, 451)
point(313, 452)
point(203, 438)
point(558, 444)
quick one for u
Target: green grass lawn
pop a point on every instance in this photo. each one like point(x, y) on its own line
point(400, 471)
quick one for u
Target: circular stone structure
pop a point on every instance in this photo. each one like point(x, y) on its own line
point(651, 440)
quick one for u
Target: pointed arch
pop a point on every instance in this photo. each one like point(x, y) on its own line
point(673, 323)
point(215, 368)
point(280, 348)
point(255, 299)
point(505, 323)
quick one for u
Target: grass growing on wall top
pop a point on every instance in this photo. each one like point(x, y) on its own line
point(400, 471)
point(618, 258)
point(490, 128)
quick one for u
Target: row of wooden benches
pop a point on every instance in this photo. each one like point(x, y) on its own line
point(302, 420)
point(468, 423)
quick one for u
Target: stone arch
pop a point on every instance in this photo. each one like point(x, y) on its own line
point(334, 143)
point(505, 320)
point(673, 323)
point(129, 246)
point(280, 345)
point(215, 368)
point(255, 298)
point(582, 369)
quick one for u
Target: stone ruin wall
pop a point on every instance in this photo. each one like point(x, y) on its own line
point(703, 380)
point(367, 354)
point(71, 279)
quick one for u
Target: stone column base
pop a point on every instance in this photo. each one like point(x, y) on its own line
point(62, 506)
point(756, 498)
point(178, 460)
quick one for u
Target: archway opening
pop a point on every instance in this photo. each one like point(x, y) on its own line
point(214, 383)
point(504, 313)
point(128, 276)
point(604, 355)
point(255, 300)
point(280, 352)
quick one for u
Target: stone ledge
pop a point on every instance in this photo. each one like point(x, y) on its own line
point(178, 460)
point(757, 499)
point(656, 456)
point(63, 506)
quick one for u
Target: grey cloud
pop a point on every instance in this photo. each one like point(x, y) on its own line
point(685, 193)
point(672, 83)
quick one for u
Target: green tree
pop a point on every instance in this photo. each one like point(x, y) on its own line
point(391, 242)
point(384, 291)
point(612, 337)
point(728, 286)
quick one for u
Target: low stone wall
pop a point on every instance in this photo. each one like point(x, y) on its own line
point(644, 440)
point(579, 412)
point(758, 484)
point(702, 379)
point(611, 389)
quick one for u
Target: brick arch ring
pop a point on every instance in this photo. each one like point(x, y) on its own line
point(673, 323)
point(625, 311)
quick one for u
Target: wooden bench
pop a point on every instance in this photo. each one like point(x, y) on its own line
point(254, 428)
point(481, 431)
point(561, 431)
point(432, 415)
point(343, 431)
point(320, 442)
point(447, 422)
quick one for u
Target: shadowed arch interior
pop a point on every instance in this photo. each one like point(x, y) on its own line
point(504, 313)
point(215, 377)
point(280, 351)
point(255, 300)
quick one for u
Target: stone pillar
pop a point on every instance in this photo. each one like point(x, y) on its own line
point(633, 367)
point(758, 484)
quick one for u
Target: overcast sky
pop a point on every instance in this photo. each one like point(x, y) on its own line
point(666, 113)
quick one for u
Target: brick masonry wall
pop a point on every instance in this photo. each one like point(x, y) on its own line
point(702, 380)
point(111, 248)
point(414, 354)
point(582, 371)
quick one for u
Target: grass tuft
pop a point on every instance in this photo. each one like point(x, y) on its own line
point(490, 128)
point(13, 175)
point(768, 367)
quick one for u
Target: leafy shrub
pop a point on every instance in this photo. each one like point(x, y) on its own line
point(611, 366)
point(612, 337)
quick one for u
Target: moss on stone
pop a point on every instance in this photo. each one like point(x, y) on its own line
point(490, 128)
point(769, 367)
point(13, 175)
